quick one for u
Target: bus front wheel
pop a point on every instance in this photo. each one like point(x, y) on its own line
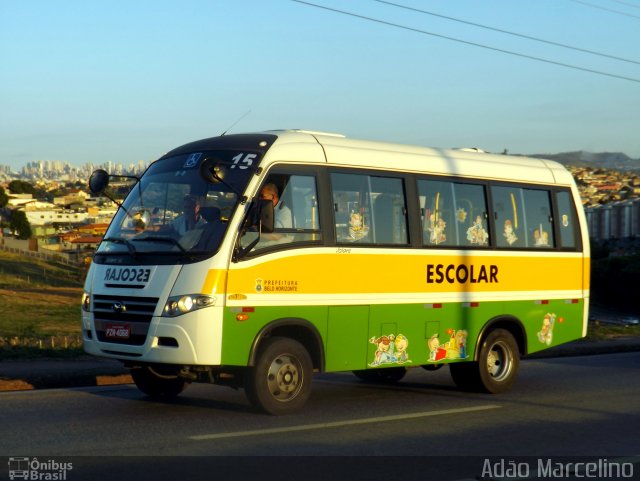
point(157, 383)
point(280, 381)
point(496, 368)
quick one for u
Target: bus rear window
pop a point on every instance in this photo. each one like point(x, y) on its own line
point(523, 217)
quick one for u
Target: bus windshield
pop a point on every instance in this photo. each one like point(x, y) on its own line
point(174, 210)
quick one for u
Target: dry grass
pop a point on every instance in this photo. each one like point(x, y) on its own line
point(39, 307)
point(600, 332)
point(40, 311)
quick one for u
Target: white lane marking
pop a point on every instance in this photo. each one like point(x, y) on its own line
point(339, 424)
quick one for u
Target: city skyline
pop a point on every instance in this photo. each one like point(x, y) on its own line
point(89, 82)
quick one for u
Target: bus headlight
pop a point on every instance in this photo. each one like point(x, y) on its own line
point(178, 305)
point(86, 302)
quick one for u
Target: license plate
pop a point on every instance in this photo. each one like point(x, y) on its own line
point(118, 331)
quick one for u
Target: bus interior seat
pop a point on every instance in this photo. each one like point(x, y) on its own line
point(210, 214)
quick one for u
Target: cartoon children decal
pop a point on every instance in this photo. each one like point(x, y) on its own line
point(436, 229)
point(540, 237)
point(390, 349)
point(433, 344)
point(477, 234)
point(436, 225)
point(508, 232)
point(401, 343)
point(456, 348)
point(461, 341)
point(357, 228)
point(545, 335)
point(382, 354)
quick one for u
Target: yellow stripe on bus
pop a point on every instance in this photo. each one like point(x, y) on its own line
point(215, 282)
point(324, 273)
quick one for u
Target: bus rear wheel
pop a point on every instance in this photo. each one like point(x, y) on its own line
point(496, 368)
point(385, 376)
point(280, 381)
point(156, 382)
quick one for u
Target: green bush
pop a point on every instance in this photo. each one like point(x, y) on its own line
point(615, 282)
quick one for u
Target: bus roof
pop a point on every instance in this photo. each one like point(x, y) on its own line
point(336, 149)
point(340, 150)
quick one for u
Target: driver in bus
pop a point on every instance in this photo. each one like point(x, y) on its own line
point(282, 214)
point(282, 217)
point(190, 218)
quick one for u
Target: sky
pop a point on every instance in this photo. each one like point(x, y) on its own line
point(95, 81)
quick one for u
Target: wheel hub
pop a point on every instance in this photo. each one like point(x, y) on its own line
point(493, 362)
point(498, 362)
point(284, 378)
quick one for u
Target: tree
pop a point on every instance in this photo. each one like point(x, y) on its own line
point(4, 198)
point(20, 224)
point(21, 187)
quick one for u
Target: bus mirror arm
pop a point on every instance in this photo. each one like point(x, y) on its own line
point(240, 252)
point(261, 216)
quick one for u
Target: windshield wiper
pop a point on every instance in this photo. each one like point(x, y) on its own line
point(119, 240)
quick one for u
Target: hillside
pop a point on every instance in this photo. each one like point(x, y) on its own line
point(605, 160)
point(39, 306)
point(19, 271)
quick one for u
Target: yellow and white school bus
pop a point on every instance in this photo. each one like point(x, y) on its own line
point(255, 260)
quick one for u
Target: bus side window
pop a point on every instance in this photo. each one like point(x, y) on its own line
point(351, 205)
point(369, 209)
point(567, 220)
point(509, 218)
point(471, 215)
point(295, 213)
point(438, 222)
point(301, 196)
point(538, 218)
point(389, 211)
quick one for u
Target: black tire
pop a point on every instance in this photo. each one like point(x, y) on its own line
point(496, 368)
point(280, 381)
point(432, 367)
point(157, 382)
point(387, 375)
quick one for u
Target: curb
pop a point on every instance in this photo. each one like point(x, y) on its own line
point(87, 371)
point(55, 373)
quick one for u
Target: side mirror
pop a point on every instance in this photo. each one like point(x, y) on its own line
point(98, 181)
point(266, 213)
point(212, 171)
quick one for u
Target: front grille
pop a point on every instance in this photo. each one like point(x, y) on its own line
point(135, 312)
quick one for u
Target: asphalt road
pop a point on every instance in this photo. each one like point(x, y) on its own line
point(574, 406)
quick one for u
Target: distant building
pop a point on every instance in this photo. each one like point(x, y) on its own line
point(75, 196)
point(616, 220)
point(85, 243)
point(93, 229)
point(16, 200)
point(57, 216)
